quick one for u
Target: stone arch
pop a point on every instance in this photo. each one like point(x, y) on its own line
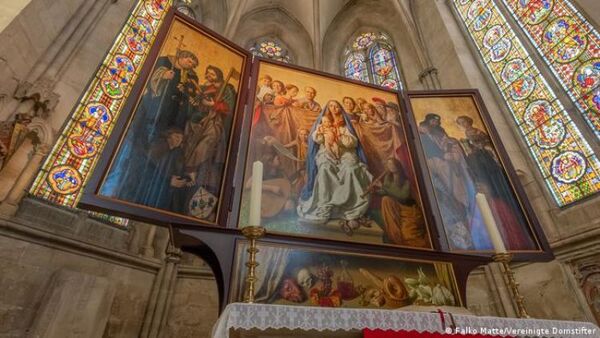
point(212, 14)
point(45, 133)
point(363, 15)
point(39, 134)
point(368, 29)
point(276, 22)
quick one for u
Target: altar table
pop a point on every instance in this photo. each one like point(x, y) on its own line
point(264, 320)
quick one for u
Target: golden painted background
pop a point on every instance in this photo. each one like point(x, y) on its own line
point(208, 51)
point(449, 108)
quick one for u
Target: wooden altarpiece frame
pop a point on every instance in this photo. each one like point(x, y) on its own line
point(541, 250)
point(216, 242)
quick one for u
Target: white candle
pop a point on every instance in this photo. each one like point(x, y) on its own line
point(490, 223)
point(256, 194)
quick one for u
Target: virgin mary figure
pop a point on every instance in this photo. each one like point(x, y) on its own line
point(337, 175)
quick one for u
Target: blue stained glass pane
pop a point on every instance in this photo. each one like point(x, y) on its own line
point(385, 71)
point(356, 68)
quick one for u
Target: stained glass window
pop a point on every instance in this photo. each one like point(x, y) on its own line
point(570, 46)
point(271, 48)
point(371, 58)
point(356, 67)
point(564, 158)
point(75, 153)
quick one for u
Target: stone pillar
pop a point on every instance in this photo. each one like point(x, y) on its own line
point(496, 276)
point(234, 18)
point(317, 53)
point(160, 296)
point(148, 248)
point(9, 205)
point(75, 305)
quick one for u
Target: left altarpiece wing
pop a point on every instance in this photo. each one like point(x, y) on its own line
point(172, 151)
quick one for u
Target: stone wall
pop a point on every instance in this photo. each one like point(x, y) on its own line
point(91, 277)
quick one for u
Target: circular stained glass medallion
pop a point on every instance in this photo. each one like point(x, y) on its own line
point(480, 14)
point(270, 49)
point(587, 76)
point(155, 7)
point(89, 132)
point(522, 87)
point(535, 11)
point(550, 134)
point(538, 112)
point(364, 40)
point(513, 70)
point(64, 179)
point(492, 36)
point(569, 48)
point(138, 39)
point(500, 50)
point(568, 167)
point(557, 30)
point(119, 75)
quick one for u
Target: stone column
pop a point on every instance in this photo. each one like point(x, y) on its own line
point(499, 284)
point(160, 296)
point(148, 248)
point(9, 205)
point(234, 18)
point(317, 53)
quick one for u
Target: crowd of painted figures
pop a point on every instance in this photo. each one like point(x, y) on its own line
point(345, 160)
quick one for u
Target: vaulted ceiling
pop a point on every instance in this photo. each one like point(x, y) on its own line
point(315, 31)
point(312, 14)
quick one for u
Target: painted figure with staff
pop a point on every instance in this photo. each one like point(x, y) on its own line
point(149, 167)
point(206, 138)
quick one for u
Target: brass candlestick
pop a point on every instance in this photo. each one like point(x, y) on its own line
point(252, 233)
point(505, 259)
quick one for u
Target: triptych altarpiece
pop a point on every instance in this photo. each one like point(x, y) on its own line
point(368, 193)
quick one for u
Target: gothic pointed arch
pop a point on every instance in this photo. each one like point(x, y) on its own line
point(363, 16)
point(210, 13)
point(371, 57)
point(277, 24)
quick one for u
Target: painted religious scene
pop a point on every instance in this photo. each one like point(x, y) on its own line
point(173, 155)
point(462, 162)
point(336, 162)
point(301, 276)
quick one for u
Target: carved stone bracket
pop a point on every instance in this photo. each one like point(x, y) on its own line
point(429, 78)
point(36, 99)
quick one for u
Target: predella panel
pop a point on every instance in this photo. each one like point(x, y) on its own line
point(295, 275)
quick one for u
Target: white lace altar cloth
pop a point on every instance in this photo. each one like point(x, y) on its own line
point(265, 316)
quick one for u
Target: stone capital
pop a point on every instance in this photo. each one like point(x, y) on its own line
point(173, 254)
point(41, 92)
